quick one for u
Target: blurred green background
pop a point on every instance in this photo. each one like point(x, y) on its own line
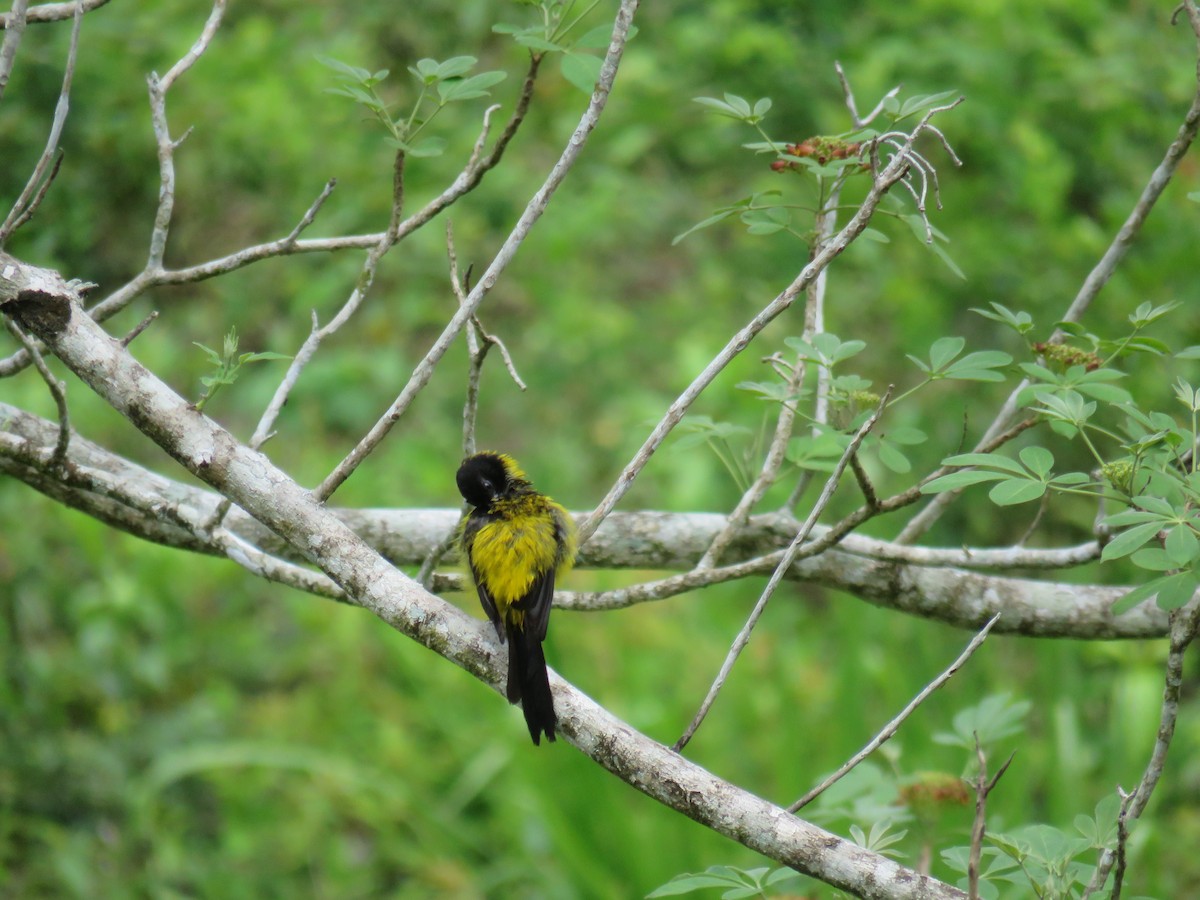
point(170, 727)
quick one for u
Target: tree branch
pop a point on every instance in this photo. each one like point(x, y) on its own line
point(270, 496)
point(49, 12)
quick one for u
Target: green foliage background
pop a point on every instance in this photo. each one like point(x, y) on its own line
point(170, 727)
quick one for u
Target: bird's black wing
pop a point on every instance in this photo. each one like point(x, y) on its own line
point(489, 605)
point(536, 605)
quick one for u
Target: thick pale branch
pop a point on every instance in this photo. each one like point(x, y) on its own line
point(249, 479)
point(923, 581)
point(51, 12)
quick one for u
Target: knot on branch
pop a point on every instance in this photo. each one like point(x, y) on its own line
point(38, 300)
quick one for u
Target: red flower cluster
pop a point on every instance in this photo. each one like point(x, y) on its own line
point(821, 149)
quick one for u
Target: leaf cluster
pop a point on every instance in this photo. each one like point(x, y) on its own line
point(1145, 459)
point(440, 84)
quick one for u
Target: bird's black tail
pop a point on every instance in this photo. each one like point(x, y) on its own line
point(529, 684)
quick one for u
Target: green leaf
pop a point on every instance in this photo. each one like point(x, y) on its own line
point(1178, 589)
point(893, 458)
point(476, 86)
point(600, 37)
point(711, 220)
point(1020, 322)
point(738, 104)
point(1038, 460)
point(581, 70)
point(1153, 559)
point(956, 480)
point(1144, 592)
point(906, 434)
point(979, 366)
point(1128, 541)
point(422, 148)
point(944, 350)
point(994, 460)
point(1010, 493)
point(1181, 546)
point(1156, 505)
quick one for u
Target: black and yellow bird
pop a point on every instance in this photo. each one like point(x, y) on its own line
point(516, 541)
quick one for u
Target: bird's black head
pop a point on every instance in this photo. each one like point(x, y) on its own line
point(485, 476)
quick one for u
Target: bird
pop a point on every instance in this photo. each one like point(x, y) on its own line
point(516, 541)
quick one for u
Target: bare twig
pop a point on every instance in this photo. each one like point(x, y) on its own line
point(310, 214)
point(39, 182)
point(860, 121)
point(885, 178)
point(58, 390)
point(983, 787)
point(1092, 285)
point(785, 563)
point(1184, 624)
point(1122, 842)
point(475, 356)
point(864, 483)
point(533, 211)
point(14, 24)
point(48, 12)
point(28, 212)
point(893, 726)
point(162, 134)
point(139, 328)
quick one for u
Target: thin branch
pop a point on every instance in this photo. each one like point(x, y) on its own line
point(1122, 842)
point(310, 214)
point(884, 179)
point(983, 787)
point(890, 729)
point(139, 328)
point(44, 188)
point(14, 24)
point(848, 95)
point(49, 12)
point(785, 563)
point(58, 390)
point(533, 211)
point(475, 356)
point(158, 88)
point(864, 483)
point(1184, 625)
point(39, 182)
